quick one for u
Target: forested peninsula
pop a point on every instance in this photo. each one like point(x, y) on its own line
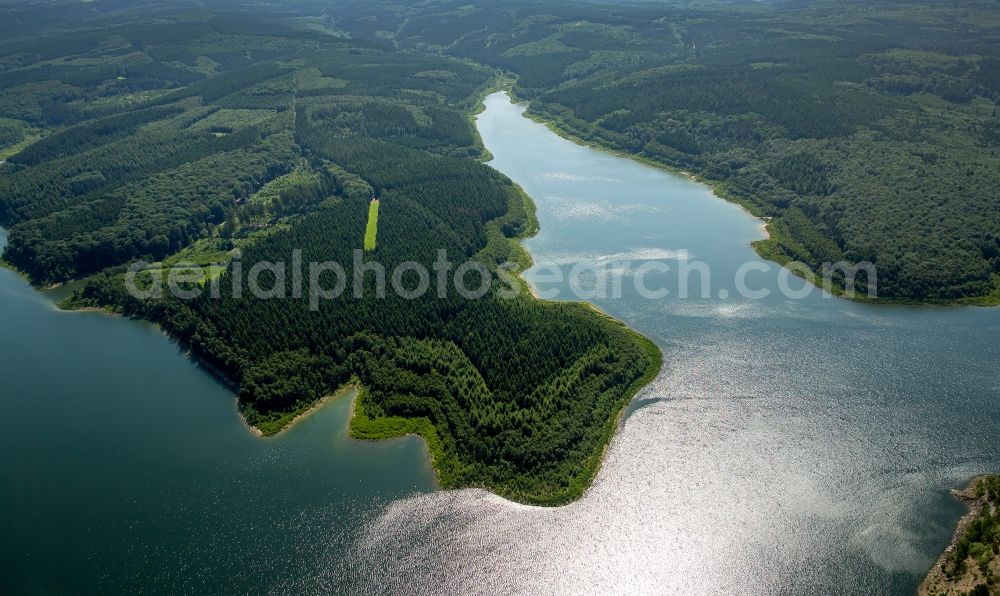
point(212, 138)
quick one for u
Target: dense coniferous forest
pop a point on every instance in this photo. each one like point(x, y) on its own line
point(865, 131)
point(218, 139)
point(220, 134)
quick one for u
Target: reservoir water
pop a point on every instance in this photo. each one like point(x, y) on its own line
point(789, 446)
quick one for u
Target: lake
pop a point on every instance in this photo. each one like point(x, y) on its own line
point(790, 445)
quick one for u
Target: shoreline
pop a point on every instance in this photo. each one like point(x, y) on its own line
point(937, 580)
point(766, 248)
point(92, 309)
point(5, 264)
point(302, 414)
point(654, 369)
point(353, 408)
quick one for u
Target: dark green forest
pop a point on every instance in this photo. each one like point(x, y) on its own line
point(219, 139)
point(864, 130)
point(219, 134)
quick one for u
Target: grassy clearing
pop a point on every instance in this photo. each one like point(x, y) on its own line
point(270, 193)
point(197, 274)
point(371, 230)
point(15, 135)
point(207, 251)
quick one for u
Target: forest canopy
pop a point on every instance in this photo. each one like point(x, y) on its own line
point(206, 138)
point(865, 131)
